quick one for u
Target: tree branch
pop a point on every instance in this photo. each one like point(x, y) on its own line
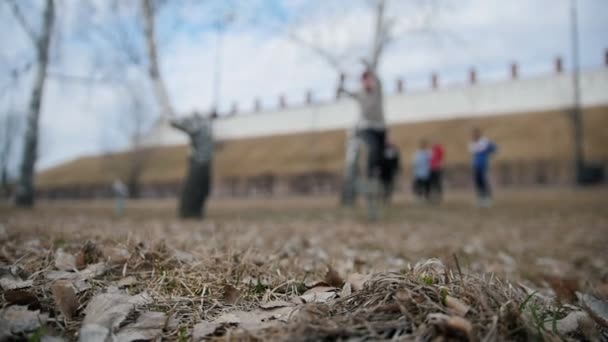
point(154, 71)
point(324, 54)
point(24, 24)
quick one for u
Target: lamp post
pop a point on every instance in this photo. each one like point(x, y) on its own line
point(220, 27)
point(575, 112)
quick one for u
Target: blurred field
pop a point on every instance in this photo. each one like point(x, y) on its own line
point(532, 238)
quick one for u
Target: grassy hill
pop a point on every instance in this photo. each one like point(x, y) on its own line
point(521, 137)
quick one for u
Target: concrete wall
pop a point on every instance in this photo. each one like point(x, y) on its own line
point(511, 96)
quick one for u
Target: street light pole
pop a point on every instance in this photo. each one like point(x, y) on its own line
point(575, 112)
point(217, 68)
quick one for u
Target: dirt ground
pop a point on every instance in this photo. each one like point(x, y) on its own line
point(516, 271)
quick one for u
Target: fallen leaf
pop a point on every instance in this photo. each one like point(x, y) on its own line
point(9, 280)
point(204, 329)
point(456, 306)
point(275, 304)
point(231, 296)
point(64, 261)
point(147, 327)
point(92, 271)
point(106, 311)
point(318, 297)
point(128, 281)
point(65, 298)
point(332, 278)
point(115, 255)
point(183, 257)
point(21, 297)
point(346, 290)
point(319, 289)
point(357, 280)
point(570, 323)
point(16, 320)
point(451, 325)
point(597, 309)
point(564, 288)
point(256, 319)
point(88, 254)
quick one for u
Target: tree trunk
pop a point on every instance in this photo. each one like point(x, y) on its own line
point(25, 188)
point(162, 95)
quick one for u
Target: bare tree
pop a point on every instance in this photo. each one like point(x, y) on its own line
point(160, 89)
point(9, 125)
point(41, 43)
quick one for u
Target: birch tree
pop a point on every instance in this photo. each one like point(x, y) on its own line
point(9, 128)
point(41, 42)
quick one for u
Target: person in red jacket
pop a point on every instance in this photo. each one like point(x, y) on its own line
point(436, 189)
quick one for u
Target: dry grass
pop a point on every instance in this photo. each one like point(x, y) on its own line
point(277, 249)
point(532, 136)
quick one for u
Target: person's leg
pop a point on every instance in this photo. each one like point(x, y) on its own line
point(439, 185)
point(191, 197)
point(205, 171)
point(432, 184)
point(479, 182)
point(426, 188)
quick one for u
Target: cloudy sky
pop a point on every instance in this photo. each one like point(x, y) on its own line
point(96, 74)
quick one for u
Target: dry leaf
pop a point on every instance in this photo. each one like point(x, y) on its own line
point(564, 288)
point(88, 254)
point(204, 329)
point(319, 289)
point(332, 278)
point(183, 257)
point(346, 290)
point(92, 271)
point(128, 281)
point(570, 323)
point(115, 255)
point(257, 319)
point(597, 308)
point(451, 325)
point(318, 297)
point(21, 297)
point(10, 279)
point(18, 319)
point(231, 296)
point(275, 304)
point(105, 312)
point(148, 327)
point(64, 261)
point(65, 298)
point(357, 280)
point(456, 306)
point(11, 282)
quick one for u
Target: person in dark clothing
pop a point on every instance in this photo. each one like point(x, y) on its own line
point(197, 185)
point(390, 169)
point(481, 149)
point(435, 178)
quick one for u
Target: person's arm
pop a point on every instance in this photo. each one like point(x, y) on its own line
point(180, 124)
point(342, 90)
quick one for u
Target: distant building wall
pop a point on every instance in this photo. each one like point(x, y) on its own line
point(477, 99)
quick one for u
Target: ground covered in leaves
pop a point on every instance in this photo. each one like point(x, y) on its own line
point(535, 266)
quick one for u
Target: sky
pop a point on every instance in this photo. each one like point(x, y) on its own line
point(97, 72)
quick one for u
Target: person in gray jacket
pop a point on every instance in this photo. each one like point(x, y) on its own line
point(197, 185)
